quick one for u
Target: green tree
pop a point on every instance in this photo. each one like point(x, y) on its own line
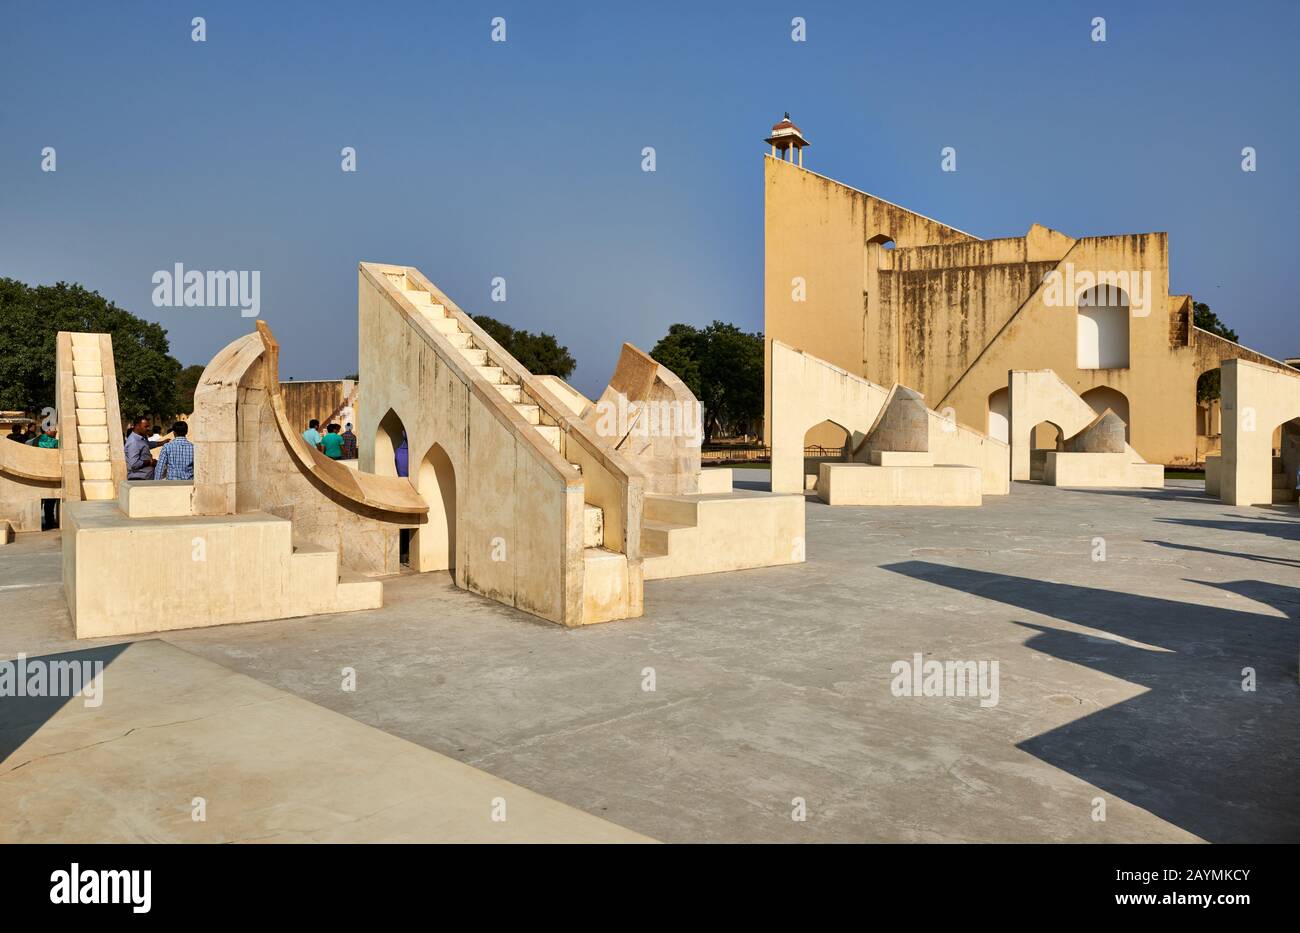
point(723, 366)
point(32, 316)
point(540, 354)
point(187, 380)
point(1207, 384)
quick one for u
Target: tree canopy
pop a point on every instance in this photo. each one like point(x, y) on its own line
point(187, 380)
point(1207, 385)
point(540, 354)
point(723, 366)
point(32, 316)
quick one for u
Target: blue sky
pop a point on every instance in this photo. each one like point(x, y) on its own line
point(522, 159)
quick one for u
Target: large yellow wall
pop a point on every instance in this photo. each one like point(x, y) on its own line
point(950, 315)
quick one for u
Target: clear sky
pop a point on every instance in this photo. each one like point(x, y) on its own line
point(523, 159)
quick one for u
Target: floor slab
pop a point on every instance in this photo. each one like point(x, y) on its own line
point(1120, 679)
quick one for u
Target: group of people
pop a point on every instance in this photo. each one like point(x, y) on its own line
point(333, 444)
point(44, 436)
point(174, 461)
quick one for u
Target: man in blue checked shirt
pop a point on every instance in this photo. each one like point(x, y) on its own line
point(176, 459)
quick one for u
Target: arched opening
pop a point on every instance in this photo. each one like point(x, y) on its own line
point(883, 240)
point(999, 421)
point(1285, 462)
point(1103, 397)
point(1209, 418)
point(391, 452)
point(823, 442)
point(433, 547)
point(1103, 315)
point(1045, 436)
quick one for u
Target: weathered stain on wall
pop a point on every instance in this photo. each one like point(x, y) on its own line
point(950, 315)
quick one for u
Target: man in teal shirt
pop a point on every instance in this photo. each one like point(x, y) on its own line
point(312, 434)
point(332, 443)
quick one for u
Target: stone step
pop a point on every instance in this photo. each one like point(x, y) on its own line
point(672, 510)
point(531, 413)
point(459, 339)
point(97, 470)
point(313, 569)
point(657, 536)
point(87, 368)
point(88, 384)
point(84, 340)
point(445, 325)
point(97, 490)
point(475, 357)
point(551, 433)
point(91, 416)
point(511, 392)
point(358, 592)
point(92, 434)
point(90, 399)
point(604, 585)
point(493, 374)
point(418, 297)
point(86, 354)
point(92, 452)
point(593, 526)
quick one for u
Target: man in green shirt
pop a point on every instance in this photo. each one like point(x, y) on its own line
point(332, 443)
point(49, 437)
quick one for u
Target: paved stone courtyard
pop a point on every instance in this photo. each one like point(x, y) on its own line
point(1120, 679)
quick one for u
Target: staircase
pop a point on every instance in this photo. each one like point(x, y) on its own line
point(95, 469)
point(683, 535)
point(251, 571)
point(480, 359)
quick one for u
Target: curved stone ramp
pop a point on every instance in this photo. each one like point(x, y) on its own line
point(393, 494)
point(35, 464)
point(28, 475)
point(223, 389)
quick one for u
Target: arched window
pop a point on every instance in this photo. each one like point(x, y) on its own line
point(1103, 316)
point(999, 423)
point(434, 545)
point(1103, 397)
point(391, 453)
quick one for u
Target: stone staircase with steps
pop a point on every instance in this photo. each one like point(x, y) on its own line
point(252, 570)
point(91, 419)
point(683, 535)
point(599, 560)
point(91, 456)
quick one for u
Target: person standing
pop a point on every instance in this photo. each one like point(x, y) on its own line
point(349, 443)
point(139, 462)
point(312, 434)
point(400, 457)
point(332, 443)
point(176, 460)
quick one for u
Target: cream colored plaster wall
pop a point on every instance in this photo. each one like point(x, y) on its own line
point(1256, 399)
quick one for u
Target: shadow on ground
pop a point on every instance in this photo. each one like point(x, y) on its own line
point(21, 717)
point(1195, 749)
point(1287, 529)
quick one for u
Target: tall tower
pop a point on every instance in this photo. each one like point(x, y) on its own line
point(788, 139)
